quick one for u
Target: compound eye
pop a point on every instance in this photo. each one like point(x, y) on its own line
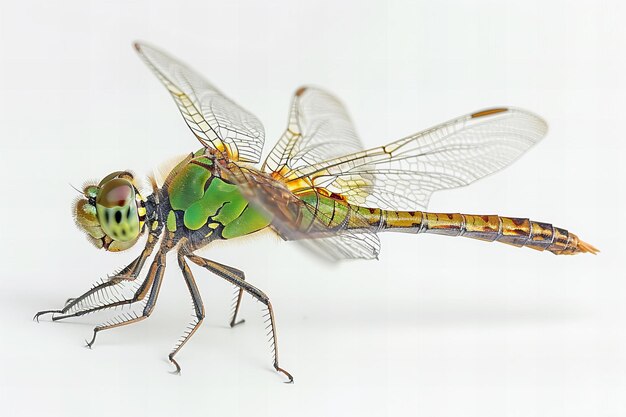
point(117, 192)
point(117, 210)
point(117, 174)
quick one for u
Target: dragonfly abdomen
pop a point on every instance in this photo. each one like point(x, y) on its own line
point(491, 228)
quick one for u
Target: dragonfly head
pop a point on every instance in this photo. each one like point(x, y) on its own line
point(112, 213)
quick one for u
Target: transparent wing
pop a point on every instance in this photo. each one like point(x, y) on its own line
point(352, 245)
point(295, 219)
point(214, 119)
point(403, 174)
point(319, 129)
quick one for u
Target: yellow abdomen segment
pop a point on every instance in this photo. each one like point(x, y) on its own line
point(513, 231)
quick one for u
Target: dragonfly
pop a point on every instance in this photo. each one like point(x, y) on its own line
point(318, 186)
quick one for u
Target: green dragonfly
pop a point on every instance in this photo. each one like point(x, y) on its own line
point(318, 186)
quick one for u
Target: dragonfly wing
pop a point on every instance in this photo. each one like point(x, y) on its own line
point(296, 219)
point(213, 118)
point(353, 245)
point(319, 129)
point(403, 174)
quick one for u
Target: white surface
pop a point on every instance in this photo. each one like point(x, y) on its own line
point(438, 326)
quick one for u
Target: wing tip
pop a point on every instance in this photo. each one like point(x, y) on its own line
point(540, 123)
point(142, 47)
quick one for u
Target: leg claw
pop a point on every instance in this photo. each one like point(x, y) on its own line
point(41, 313)
point(177, 370)
point(93, 339)
point(236, 323)
point(287, 374)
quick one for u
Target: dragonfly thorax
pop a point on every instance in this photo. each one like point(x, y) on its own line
point(112, 213)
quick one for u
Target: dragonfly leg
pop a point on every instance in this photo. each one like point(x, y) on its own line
point(103, 295)
point(237, 296)
point(150, 287)
point(227, 273)
point(90, 301)
point(236, 305)
point(197, 306)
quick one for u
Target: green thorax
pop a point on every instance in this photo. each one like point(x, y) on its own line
point(203, 199)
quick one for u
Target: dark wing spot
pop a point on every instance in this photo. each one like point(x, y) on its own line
point(118, 216)
point(488, 112)
point(107, 216)
point(128, 212)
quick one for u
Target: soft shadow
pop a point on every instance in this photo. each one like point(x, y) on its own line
point(467, 314)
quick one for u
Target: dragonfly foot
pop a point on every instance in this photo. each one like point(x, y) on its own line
point(69, 300)
point(234, 323)
point(287, 374)
point(93, 339)
point(41, 313)
point(177, 370)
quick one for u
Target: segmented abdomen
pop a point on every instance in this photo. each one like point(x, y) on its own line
point(513, 231)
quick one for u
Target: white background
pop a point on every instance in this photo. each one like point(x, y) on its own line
point(437, 327)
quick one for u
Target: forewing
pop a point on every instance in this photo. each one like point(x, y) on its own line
point(403, 174)
point(214, 119)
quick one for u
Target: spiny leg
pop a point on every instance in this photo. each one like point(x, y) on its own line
point(71, 302)
point(237, 296)
point(138, 295)
point(197, 306)
point(129, 273)
point(227, 273)
point(150, 286)
point(235, 308)
point(95, 291)
point(114, 283)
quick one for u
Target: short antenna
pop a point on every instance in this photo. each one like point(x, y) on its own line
point(79, 191)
